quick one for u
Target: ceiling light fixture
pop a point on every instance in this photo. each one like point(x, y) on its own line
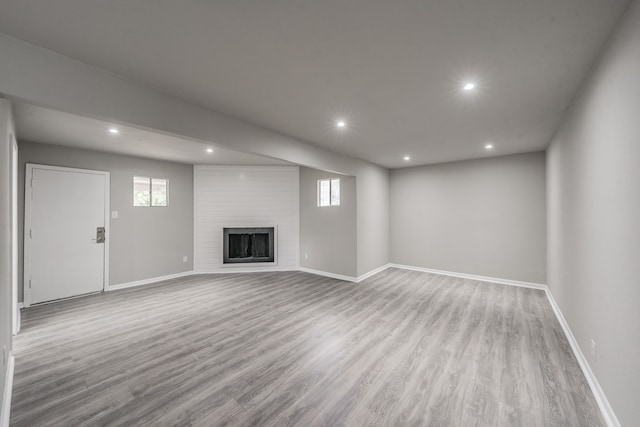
point(209, 150)
point(341, 124)
point(407, 158)
point(488, 146)
point(114, 131)
point(469, 86)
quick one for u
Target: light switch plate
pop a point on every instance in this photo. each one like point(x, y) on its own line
point(114, 214)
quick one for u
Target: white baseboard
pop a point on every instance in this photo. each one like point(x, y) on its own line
point(474, 277)
point(606, 409)
point(373, 272)
point(8, 389)
point(149, 281)
point(328, 274)
point(344, 277)
point(192, 272)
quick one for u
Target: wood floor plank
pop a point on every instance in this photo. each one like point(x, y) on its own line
point(295, 349)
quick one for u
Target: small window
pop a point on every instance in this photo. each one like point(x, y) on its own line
point(150, 191)
point(159, 192)
point(141, 191)
point(329, 192)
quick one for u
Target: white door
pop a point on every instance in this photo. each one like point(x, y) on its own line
point(64, 255)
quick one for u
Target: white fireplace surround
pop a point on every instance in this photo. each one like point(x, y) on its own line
point(245, 196)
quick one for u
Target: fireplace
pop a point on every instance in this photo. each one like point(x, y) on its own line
point(248, 245)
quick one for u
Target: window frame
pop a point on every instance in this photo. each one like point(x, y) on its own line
point(330, 181)
point(151, 179)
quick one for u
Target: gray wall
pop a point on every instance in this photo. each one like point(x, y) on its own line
point(6, 296)
point(328, 234)
point(483, 217)
point(145, 242)
point(593, 190)
point(372, 184)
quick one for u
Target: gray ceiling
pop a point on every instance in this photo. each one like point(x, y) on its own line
point(392, 69)
point(54, 127)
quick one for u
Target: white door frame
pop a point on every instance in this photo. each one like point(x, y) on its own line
point(13, 182)
point(27, 222)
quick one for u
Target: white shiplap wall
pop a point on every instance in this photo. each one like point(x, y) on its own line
point(245, 196)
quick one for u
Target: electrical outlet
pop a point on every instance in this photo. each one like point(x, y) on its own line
point(185, 258)
point(306, 255)
point(593, 351)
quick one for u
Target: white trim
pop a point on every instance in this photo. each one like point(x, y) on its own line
point(331, 275)
point(426, 270)
point(149, 281)
point(14, 168)
point(606, 409)
point(5, 411)
point(344, 277)
point(26, 262)
point(20, 305)
point(372, 272)
point(473, 277)
point(27, 223)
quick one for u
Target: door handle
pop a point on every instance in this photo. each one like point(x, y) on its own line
point(99, 235)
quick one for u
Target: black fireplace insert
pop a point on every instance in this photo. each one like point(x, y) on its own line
point(248, 245)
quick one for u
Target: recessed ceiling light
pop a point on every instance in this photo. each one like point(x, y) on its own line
point(469, 86)
point(488, 146)
point(114, 131)
point(407, 158)
point(209, 150)
point(341, 124)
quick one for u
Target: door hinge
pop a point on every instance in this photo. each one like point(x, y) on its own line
point(31, 233)
point(29, 283)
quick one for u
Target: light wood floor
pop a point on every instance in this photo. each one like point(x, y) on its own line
point(275, 349)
